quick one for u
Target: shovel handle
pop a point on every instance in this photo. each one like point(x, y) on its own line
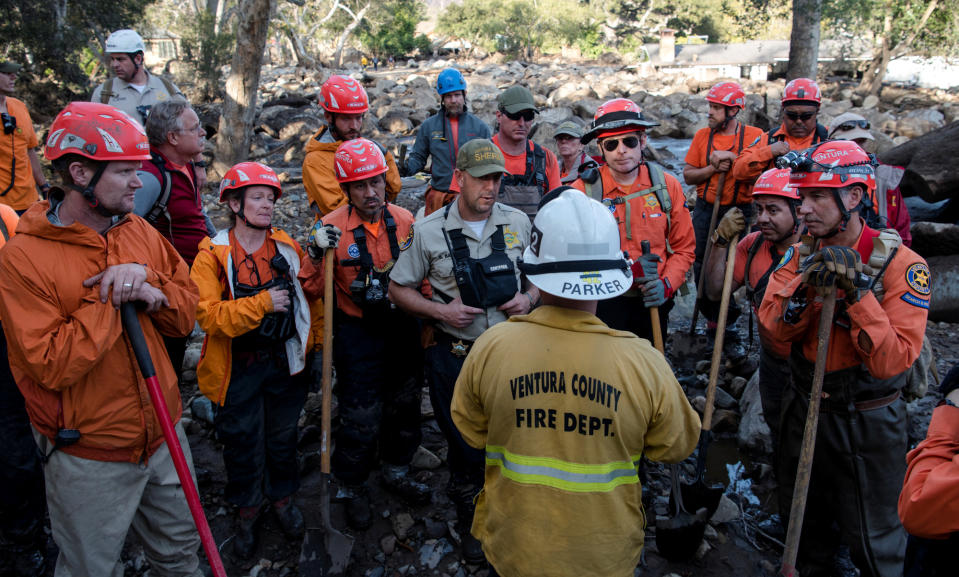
point(720, 185)
point(131, 325)
point(654, 314)
point(327, 387)
point(804, 470)
point(720, 336)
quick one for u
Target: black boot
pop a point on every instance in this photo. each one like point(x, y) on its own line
point(289, 517)
point(245, 541)
point(358, 513)
point(470, 547)
point(399, 480)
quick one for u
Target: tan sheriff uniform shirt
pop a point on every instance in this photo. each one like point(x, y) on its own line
point(127, 98)
point(426, 255)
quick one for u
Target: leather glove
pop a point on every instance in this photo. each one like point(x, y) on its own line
point(654, 292)
point(732, 224)
point(817, 275)
point(324, 236)
point(646, 267)
point(844, 261)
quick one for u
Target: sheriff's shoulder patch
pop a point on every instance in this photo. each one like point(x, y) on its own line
point(915, 301)
point(788, 256)
point(510, 238)
point(408, 241)
point(917, 276)
point(353, 251)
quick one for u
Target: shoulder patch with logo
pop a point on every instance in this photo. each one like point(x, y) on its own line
point(353, 251)
point(917, 276)
point(408, 241)
point(786, 258)
point(915, 301)
point(510, 238)
point(652, 201)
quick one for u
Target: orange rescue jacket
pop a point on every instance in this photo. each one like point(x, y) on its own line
point(224, 318)
point(68, 352)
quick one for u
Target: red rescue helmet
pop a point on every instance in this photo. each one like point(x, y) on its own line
point(727, 94)
point(343, 95)
point(617, 116)
point(358, 159)
point(833, 164)
point(802, 91)
point(247, 174)
point(775, 182)
point(96, 131)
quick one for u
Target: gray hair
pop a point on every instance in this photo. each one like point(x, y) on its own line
point(165, 118)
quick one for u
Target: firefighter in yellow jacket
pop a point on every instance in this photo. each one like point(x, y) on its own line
point(564, 407)
point(253, 366)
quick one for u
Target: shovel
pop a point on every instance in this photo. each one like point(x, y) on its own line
point(325, 551)
point(131, 325)
point(678, 537)
point(699, 494)
point(654, 316)
point(709, 248)
point(804, 471)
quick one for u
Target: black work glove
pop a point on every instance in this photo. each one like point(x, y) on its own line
point(845, 262)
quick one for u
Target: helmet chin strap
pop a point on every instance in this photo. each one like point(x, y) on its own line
point(725, 123)
point(242, 216)
point(88, 195)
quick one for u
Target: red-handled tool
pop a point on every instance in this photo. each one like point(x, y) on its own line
point(131, 325)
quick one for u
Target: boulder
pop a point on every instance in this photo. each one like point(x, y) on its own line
point(915, 123)
point(944, 304)
point(935, 238)
point(930, 163)
point(301, 127)
point(753, 431)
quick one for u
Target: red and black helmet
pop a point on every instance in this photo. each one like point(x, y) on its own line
point(727, 94)
point(775, 183)
point(617, 116)
point(343, 95)
point(833, 164)
point(802, 91)
point(246, 174)
point(358, 159)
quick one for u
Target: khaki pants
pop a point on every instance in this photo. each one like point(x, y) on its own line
point(94, 503)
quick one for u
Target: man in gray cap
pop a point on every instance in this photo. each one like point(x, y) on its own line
point(468, 252)
point(20, 169)
point(572, 154)
point(531, 170)
point(885, 207)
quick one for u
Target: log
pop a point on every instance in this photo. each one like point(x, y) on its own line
point(930, 163)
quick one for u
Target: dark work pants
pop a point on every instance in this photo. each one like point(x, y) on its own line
point(22, 500)
point(702, 214)
point(176, 349)
point(857, 473)
point(257, 425)
point(626, 313)
point(774, 376)
point(467, 465)
point(379, 373)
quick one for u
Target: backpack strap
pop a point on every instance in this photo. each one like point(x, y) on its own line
point(3, 230)
point(658, 187)
point(166, 185)
point(170, 88)
point(539, 167)
point(822, 133)
point(106, 92)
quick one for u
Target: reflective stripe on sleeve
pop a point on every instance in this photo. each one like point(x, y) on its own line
point(573, 477)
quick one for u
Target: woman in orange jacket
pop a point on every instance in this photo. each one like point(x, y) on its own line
point(253, 366)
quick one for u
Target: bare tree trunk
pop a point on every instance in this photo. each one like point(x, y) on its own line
point(239, 106)
point(804, 40)
point(303, 58)
point(357, 18)
point(871, 82)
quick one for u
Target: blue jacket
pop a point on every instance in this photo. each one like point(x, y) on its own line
point(433, 138)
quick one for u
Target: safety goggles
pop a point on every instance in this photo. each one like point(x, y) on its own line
point(804, 116)
point(526, 115)
point(851, 125)
point(611, 144)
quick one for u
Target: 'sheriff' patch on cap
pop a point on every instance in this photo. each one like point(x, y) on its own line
point(480, 157)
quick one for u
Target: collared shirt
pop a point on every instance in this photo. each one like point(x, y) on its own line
point(427, 256)
point(13, 149)
point(127, 98)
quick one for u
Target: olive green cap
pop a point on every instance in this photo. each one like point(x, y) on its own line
point(516, 98)
point(569, 128)
point(480, 157)
point(8, 67)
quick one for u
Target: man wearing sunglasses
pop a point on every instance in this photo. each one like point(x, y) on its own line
point(649, 205)
point(884, 208)
point(800, 130)
point(531, 170)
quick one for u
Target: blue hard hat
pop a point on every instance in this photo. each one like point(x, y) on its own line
point(450, 80)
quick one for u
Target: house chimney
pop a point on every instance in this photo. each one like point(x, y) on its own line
point(667, 46)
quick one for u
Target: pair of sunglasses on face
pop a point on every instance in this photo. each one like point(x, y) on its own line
point(526, 115)
point(611, 144)
point(804, 116)
point(851, 125)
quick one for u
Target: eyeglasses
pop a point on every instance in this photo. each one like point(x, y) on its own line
point(611, 144)
point(804, 116)
point(851, 125)
point(526, 115)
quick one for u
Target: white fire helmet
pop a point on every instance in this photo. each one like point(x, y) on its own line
point(125, 41)
point(574, 249)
